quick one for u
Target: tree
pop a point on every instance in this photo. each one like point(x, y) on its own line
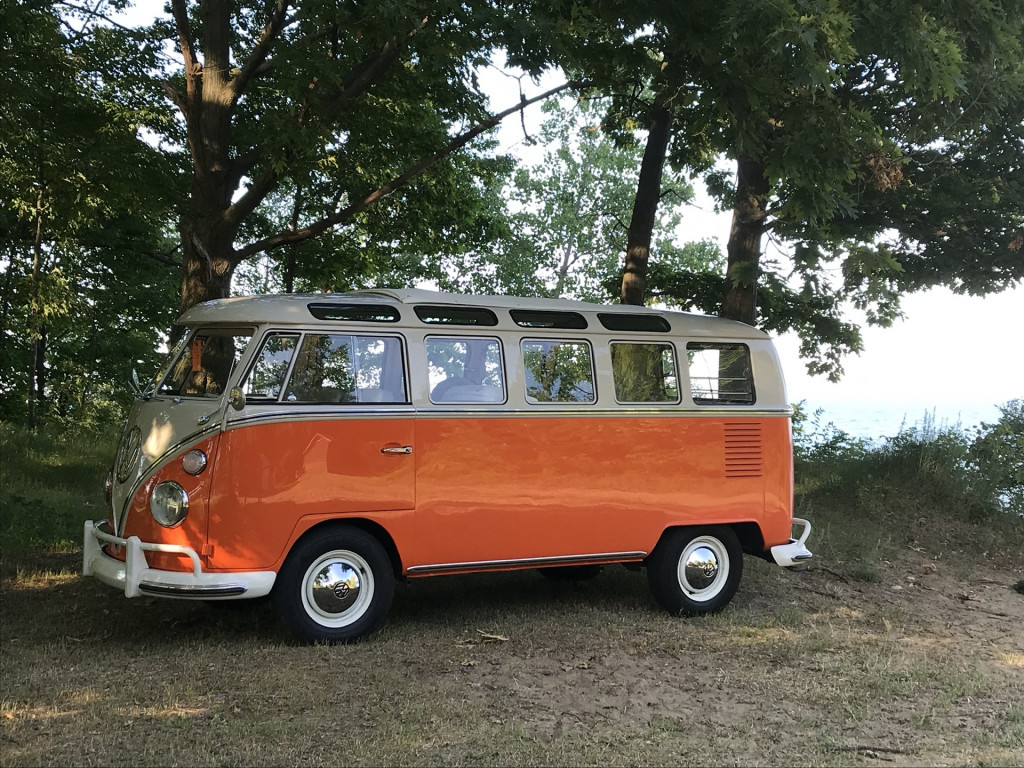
point(300, 120)
point(570, 208)
point(837, 117)
point(77, 217)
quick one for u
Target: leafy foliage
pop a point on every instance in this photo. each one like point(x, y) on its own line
point(565, 233)
point(81, 228)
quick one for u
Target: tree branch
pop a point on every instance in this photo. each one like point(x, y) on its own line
point(257, 60)
point(188, 102)
point(346, 214)
point(358, 81)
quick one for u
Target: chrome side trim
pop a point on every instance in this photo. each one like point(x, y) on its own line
point(476, 412)
point(529, 562)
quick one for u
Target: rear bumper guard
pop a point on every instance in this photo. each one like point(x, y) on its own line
point(136, 578)
point(794, 554)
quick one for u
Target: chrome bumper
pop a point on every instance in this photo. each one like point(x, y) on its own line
point(136, 578)
point(794, 553)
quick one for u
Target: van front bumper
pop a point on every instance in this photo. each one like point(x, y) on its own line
point(136, 578)
point(794, 554)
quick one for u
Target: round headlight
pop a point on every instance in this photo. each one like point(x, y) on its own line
point(169, 503)
point(194, 461)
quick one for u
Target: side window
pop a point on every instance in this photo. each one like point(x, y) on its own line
point(205, 364)
point(644, 373)
point(720, 374)
point(558, 372)
point(266, 379)
point(465, 370)
point(345, 368)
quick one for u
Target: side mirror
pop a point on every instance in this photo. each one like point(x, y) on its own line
point(236, 399)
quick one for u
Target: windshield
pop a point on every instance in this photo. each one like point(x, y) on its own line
point(201, 363)
point(179, 345)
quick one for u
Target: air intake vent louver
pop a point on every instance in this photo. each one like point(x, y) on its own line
point(744, 456)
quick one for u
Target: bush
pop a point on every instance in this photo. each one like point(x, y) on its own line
point(980, 470)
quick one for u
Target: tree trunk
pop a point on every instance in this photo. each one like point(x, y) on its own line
point(207, 264)
point(5, 305)
point(37, 366)
point(37, 380)
point(748, 222)
point(645, 206)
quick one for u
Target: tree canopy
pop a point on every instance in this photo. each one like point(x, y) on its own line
point(324, 145)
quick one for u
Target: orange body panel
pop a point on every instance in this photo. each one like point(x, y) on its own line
point(519, 488)
point(276, 478)
point(475, 488)
point(192, 532)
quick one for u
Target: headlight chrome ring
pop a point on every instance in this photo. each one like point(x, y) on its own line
point(169, 503)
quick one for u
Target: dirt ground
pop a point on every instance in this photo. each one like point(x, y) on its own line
point(923, 667)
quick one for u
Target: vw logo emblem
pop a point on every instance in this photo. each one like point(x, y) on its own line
point(128, 455)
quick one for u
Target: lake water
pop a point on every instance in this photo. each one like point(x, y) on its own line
point(874, 420)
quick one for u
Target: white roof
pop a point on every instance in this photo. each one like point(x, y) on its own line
point(293, 308)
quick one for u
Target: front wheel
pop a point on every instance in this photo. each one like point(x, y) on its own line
point(696, 571)
point(336, 586)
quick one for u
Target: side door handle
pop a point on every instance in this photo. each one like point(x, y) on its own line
point(402, 450)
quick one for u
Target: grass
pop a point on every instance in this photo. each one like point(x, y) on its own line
point(49, 486)
point(834, 666)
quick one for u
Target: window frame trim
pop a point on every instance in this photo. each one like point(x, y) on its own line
point(647, 403)
point(560, 403)
point(718, 403)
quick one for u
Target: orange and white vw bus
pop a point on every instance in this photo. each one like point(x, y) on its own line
point(316, 448)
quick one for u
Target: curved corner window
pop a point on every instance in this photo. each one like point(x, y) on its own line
point(558, 371)
point(618, 321)
point(355, 313)
point(720, 374)
point(535, 318)
point(445, 315)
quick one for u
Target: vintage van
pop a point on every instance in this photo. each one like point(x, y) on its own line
point(316, 448)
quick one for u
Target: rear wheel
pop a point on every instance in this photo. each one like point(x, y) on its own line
point(336, 586)
point(695, 571)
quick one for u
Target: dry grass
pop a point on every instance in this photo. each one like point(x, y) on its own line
point(803, 669)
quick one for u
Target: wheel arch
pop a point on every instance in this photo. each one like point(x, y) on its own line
point(748, 532)
point(375, 529)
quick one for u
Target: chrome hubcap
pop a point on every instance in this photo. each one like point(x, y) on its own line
point(338, 588)
point(703, 568)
